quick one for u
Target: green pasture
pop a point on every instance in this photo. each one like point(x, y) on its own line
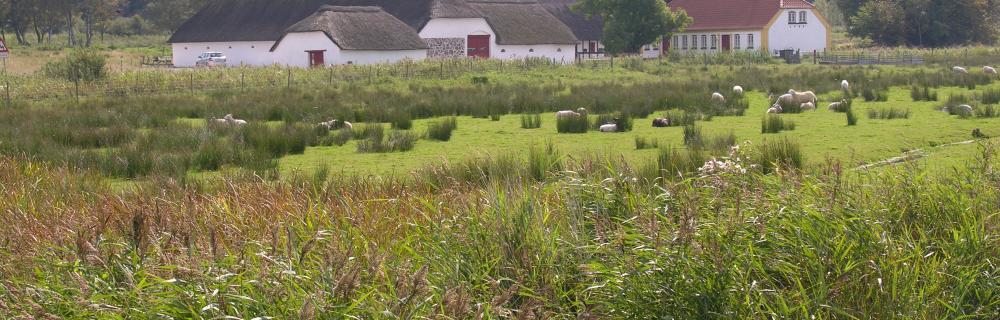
point(822, 134)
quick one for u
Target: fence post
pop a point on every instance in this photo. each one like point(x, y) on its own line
point(77, 82)
point(331, 75)
point(243, 82)
point(289, 77)
point(7, 87)
point(191, 82)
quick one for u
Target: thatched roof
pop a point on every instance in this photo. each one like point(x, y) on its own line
point(360, 28)
point(523, 22)
point(417, 13)
point(584, 28)
point(244, 20)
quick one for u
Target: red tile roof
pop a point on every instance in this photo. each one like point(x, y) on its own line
point(734, 14)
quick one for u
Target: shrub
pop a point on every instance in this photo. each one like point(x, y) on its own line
point(531, 121)
point(888, 113)
point(441, 129)
point(78, 65)
point(339, 138)
point(642, 143)
point(374, 131)
point(989, 111)
point(572, 124)
point(494, 117)
point(772, 123)
point(852, 119)
point(779, 153)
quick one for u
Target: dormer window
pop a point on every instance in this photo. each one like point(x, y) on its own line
point(802, 17)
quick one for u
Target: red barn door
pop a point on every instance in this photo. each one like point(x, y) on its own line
point(479, 46)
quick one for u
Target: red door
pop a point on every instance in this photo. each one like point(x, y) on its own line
point(666, 45)
point(479, 46)
point(316, 58)
point(725, 42)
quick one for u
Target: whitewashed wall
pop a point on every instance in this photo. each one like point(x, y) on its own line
point(806, 37)
point(564, 53)
point(256, 53)
point(718, 48)
point(292, 51)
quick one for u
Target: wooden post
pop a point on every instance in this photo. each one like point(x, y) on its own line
point(289, 77)
point(191, 82)
point(331, 75)
point(243, 83)
point(7, 88)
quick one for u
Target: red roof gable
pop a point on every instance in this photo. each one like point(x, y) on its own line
point(734, 14)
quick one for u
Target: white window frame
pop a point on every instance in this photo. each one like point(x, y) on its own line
point(677, 43)
point(684, 39)
point(802, 17)
point(704, 42)
point(736, 41)
point(750, 41)
point(694, 42)
point(715, 41)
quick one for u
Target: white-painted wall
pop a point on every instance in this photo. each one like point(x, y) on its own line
point(564, 53)
point(744, 45)
point(256, 53)
point(292, 51)
point(805, 37)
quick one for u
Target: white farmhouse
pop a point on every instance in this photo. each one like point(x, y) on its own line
point(734, 25)
point(348, 35)
point(306, 32)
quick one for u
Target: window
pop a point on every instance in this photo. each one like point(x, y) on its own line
point(791, 17)
point(802, 17)
point(694, 42)
point(676, 43)
point(704, 42)
point(715, 41)
point(736, 41)
point(684, 44)
point(750, 41)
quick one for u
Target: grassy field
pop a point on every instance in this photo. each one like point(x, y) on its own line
point(137, 206)
point(823, 135)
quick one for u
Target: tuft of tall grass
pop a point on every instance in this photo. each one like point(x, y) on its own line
point(987, 111)
point(852, 118)
point(888, 113)
point(990, 96)
point(923, 94)
point(772, 123)
point(678, 118)
point(642, 143)
point(693, 137)
point(544, 160)
point(622, 120)
point(401, 120)
point(441, 129)
point(780, 153)
point(572, 124)
point(531, 121)
point(874, 95)
point(396, 141)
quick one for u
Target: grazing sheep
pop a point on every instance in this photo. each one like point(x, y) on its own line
point(567, 114)
point(960, 70)
point(807, 106)
point(229, 120)
point(964, 109)
point(845, 85)
point(581, 110)
point(838, 106)
point(718, 98)
point(347, 125)
point(785, 99)
point(803, 97)
point(989, 70)
point(661, 123)
point(611, 127)
point(774, 109)
point(738, 90)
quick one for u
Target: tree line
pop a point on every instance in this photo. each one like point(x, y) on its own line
point(36, 21)
point(922, 23)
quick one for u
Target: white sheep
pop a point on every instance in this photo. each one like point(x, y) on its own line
point(348, 126)
point(738, 90)
point(774, 109)
point(611, 127)
point(803, 97)
point(846, 86)
point(838, 106)
point(807, 106)
point(966, 109)
point(567, 114)
point(989, 70)
point(960, 70)
point(581, 110)
point(718, 98)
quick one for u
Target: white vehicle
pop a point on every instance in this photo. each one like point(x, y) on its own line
point(211, 59)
